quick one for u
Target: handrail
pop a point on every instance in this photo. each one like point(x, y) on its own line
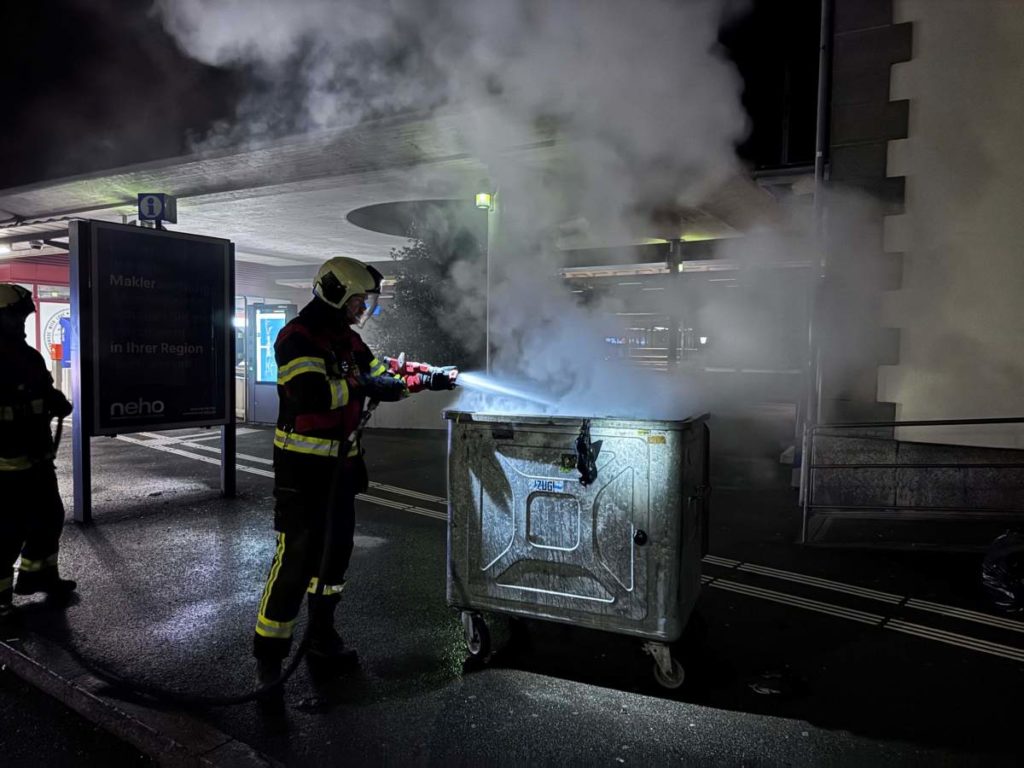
point(928, 423)
point(808, 467)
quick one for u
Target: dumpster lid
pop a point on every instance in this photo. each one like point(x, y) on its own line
point(596, 422)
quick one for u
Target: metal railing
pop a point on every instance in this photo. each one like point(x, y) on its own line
point(810, 467)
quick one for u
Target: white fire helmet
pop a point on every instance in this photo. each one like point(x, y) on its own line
point(341, 278)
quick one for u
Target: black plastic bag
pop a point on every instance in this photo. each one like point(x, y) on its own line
point(1002, 572)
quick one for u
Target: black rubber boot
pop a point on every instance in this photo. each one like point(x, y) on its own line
point(326, 646)
point(268, 671)
point(270, 702)
point(48, 581)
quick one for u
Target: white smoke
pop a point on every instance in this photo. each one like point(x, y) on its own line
point(647, 113)
point(640, 104)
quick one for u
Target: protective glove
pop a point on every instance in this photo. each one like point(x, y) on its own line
point(386, 389)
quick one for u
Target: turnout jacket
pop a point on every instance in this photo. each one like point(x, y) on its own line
point(319, 369)
point(28, 401)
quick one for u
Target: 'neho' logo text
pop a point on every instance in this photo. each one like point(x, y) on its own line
point(139, 408)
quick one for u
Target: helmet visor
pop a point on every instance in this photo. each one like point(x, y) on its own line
point(371, 309)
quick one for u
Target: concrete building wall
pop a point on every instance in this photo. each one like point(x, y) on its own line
point(421, 411)
point(960, 308)
point(863, 117)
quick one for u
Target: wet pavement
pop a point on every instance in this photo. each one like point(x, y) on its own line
point(796, 657)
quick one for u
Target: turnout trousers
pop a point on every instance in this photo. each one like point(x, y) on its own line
point(31, 522)
point(302, 503)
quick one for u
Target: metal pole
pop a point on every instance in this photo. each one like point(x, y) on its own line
point(493, 235)
point(812, 394)
point(805, 468)
point(228, 441)
point(228, 449)
point(674, 352)
point(81, 459)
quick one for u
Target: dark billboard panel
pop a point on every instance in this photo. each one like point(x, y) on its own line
point(161, 312)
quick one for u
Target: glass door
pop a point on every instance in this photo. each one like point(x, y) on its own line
point(263, 322)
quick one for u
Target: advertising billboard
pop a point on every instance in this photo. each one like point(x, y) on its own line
point(158, 332)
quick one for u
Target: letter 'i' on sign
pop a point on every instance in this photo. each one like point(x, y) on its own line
point(157, 206)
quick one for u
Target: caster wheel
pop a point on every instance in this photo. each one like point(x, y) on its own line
point(478, 637)
point(673, 679)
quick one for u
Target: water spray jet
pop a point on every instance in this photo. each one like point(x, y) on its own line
point(488, 385)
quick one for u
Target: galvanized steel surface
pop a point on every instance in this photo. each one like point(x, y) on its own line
point(527, 538)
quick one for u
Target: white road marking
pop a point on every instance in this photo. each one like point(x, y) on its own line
point(800, 578)
point(215, 449)
point(208, 435)
point(379, 486)
point(799, 602)
point(437, 515)
point(814, 581)
point(410, 494)
point(896, 625)
point(404, 507)
point(963, 613)
point(870, 594)
point(159, 446)
point(952, 638)
point(722, 561)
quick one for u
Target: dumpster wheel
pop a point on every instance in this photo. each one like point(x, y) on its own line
point(667, 670)
point(673, 679)
point(478, 637)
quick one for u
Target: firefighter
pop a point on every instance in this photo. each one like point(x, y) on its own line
point(325, 376)
point(31, 511)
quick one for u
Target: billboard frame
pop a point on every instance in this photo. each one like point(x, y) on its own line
point(85, 352)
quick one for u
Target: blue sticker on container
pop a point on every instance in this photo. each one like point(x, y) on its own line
point(555, 486)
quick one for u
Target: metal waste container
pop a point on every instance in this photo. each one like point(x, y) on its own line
point(599, 523)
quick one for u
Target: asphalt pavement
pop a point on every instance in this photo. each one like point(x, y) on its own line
point(39, 730)
point(796, 656)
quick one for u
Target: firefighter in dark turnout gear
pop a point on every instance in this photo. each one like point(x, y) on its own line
point(325, 376)
point(32, 514)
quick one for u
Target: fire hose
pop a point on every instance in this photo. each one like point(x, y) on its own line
point(193, 700)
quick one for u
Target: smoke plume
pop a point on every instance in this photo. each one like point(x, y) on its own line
point(634, 104)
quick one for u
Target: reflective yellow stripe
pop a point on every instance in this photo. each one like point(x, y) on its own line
point(15, 464)
point(377, 368)
point(268, 627)
point(275, 568)
point(314, 446)
point(6, 584)
point(276, 629)
point(31, 566)
point(339, 392)
point(299, 366)
point(329, 589)
point(6, 413)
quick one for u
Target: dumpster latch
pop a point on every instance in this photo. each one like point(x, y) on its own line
point(586, 454)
